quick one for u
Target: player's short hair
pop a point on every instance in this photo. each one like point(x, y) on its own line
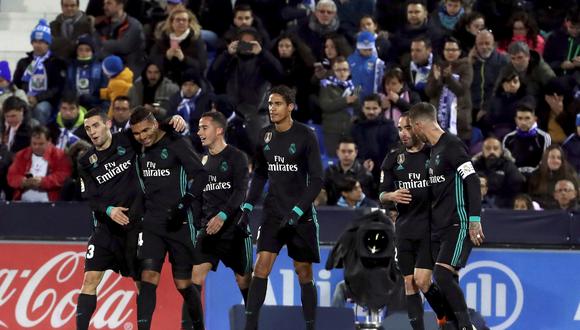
point(346, 139)
point(287, 93)
point(94, 112)
point(217, 117)
point(140, 114)
point(424, 39)
point(40, 130)
point(372, 98)
point(346, 184)
point(423, 110)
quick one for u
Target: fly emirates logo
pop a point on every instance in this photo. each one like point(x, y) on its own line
point(151, 170)
point(434, 179)
point(415, 181)
point(280, 165)
point(113, 170)
point(214, 184)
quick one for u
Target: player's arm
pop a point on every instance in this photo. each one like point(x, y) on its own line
point(315, 174)
point(196, 175)
point(259, 178)
point(462, 163)
point(387, 190)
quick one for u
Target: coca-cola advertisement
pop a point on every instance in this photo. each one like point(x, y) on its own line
point(40, 284)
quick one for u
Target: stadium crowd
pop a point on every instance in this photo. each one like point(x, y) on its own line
point(504, 76)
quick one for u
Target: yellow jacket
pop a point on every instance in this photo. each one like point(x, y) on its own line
point(118, 86)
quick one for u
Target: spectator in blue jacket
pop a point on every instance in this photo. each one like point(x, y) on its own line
point(352, 195)
point(366, 67)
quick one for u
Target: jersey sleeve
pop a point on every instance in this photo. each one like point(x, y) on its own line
point(196, 175)
point(239, 184)
point(314, 171)
point(386, 183)
point(462, 164)
point(259, 177)
point(89, 191)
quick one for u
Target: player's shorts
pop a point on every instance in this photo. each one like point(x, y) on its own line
point(154, 244)
point(113, 251)
point(235, 253)
point(414, 253)
point(451, 246)
point(302, 241)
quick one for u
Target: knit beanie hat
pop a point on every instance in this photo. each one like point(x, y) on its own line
point(113, 65)
point(86, 39)
point(365, 40)
point(41, 32)
point(5, 71)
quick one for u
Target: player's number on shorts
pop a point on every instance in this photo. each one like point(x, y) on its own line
point(140, 239)
point(90, 251)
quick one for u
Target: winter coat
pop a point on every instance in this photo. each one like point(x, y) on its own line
point(55, 73)
point(366, 72)
point(561, 47)
point(336, 113)
point(539, 48)
point(117, 86)
point(65, 46)
point(165, 89)
point(536, 76)
point(571, 148)
point(374, 139)
point(485, 73)
point(97, 80)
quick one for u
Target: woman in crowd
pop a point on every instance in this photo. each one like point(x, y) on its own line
point(396, 97)
point(523, 27)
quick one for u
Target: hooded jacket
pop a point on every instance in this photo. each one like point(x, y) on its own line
point(536, 76)
point(164, 89)
point(117, 86)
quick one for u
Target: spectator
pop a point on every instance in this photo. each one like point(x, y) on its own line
point(120, 79)
point(122, 111)
point(179, 46)
point(417, 26)
point(467, 28)
point(498, 120)
point(71, 188)
point(121, 35)
point(152, 90)
point(39, 171)
point(85, 74)
point(352, 196)
point(448, 88)
point(487, 201)
point(571, 146)
point(367, 69)
point(503, 180)
point(523, 202)
point(549, 13)
point(5, 161)
point(396, 97)
point(533, 71)
point(523, 27)
point(527, 143)
point(417, 71)
point(496, 13)
point(350, 14)
point(190, 103)
point(68, 27)
point(41, 74)
point(566, 196)
point(557, 108)
point(317, 25)
point(562, 51)
point(487, 62)
point(347, 166)
point(298, 64)
point(245, 72)
point(554, 167)
point(16, 124)
point(236, 133)
point(335, 45)
point(338, 101)
point(68, 128)
point(448, 16)
point(369, 23)
point(7, 88)
point(244, 18)
point(374, 134)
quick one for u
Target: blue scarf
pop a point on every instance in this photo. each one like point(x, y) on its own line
point(186, 108)
point(422, 72)
point(447, 113)
point(348, 86)
point(447, 20)
point(35, 75)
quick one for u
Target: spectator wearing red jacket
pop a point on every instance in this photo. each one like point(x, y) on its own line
point(39, 171)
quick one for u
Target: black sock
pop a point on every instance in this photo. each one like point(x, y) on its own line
point(415, 311)
point(256, 296)
point(309, 302)
point(192, 299)
point(244, 293)
point(453, 294)
point(146, 301)
point(436, 300)
point(85, 308)
point(185, 318)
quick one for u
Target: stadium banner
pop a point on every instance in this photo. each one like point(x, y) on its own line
point(512, 289)
point(40, 283)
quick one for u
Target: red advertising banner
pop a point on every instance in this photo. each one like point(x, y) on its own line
point(40, 283)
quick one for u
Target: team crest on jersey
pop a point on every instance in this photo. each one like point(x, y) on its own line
point(437, 160)
point(427, 163)
point(400, 159)
point(292, 149)
point(121, 151)
point(224, 166)
point(268, 137)
point(164, 153)
point(93, 159)
point(204, 159)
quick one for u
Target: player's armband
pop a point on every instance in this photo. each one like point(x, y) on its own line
point(466, 169)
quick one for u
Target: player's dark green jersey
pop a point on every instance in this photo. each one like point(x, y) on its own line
point(290, 161)
point(226, 188)
point(168, 169)
point(409, 170)
point(455, 192)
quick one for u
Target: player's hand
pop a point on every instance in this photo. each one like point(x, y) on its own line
point(243, 223)
point(178, 213)
point(179, 124)
point(118, 215)
point(401, 196)
point(476, 233)
point(214, 225)
point(290, 221)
